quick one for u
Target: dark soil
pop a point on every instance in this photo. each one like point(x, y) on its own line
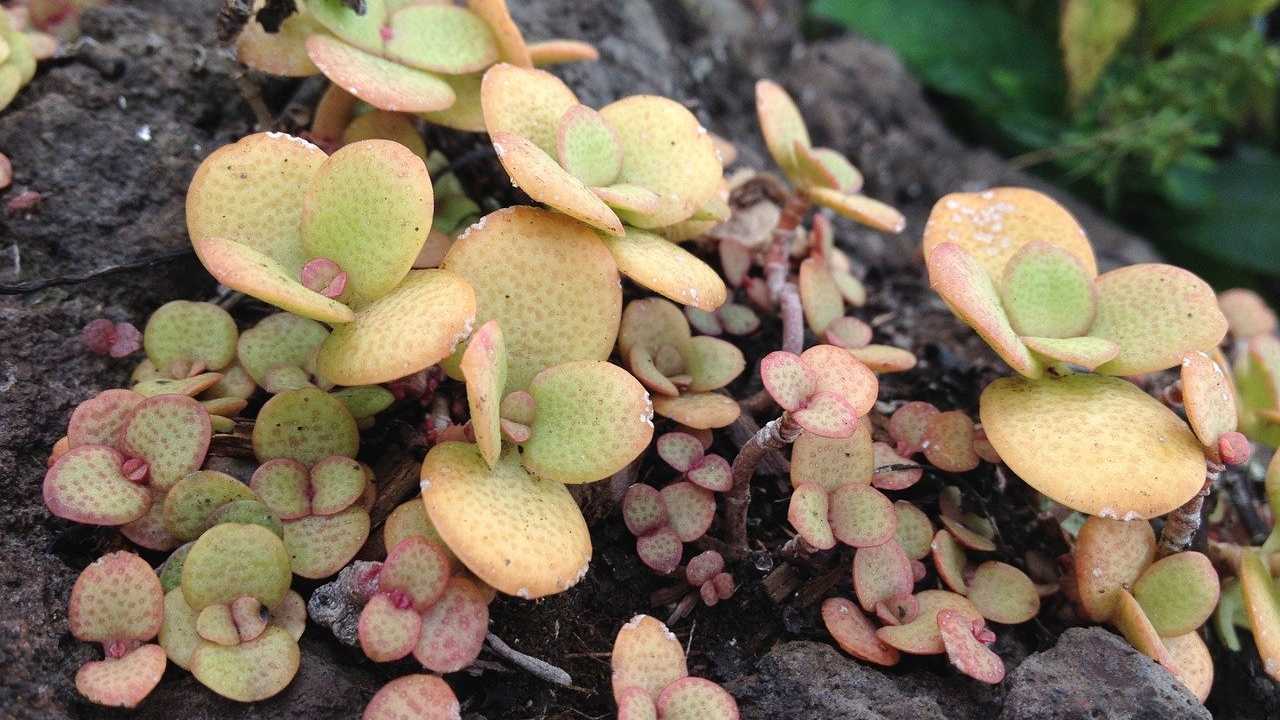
point(110, 136)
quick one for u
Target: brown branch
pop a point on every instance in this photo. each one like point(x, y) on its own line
point(775, 435)
point(777, 274)
point(1180, 526)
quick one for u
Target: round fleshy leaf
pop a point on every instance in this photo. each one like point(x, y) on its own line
point(884, 358)
point(738, 319)
point(250, 192)
point(522, 535)
point(1208, 397)
point(667, 269)
point(306, 425)
point(646, 655)
point(828, 415)
point(700, 411)
point(409, 520)
point(116, 598)
point(186, 333)
point(1003, 593)
point(965, 652)
point(647, 368)
point(464, 114)
point(250, 671)
point(214, 624)
point(383, 125)
point(234, 560)
point(635, 704)
point(1247, 313)
point(280, 340)
point(837, 372)
point(592, 419)
point(125, 681)
point(968, 290)
point(848, 332)
point(381, 83)
point(283, 52)
point(848, 178)
point(86, 485)
point(854, 633)
point(881, 573)
point(643, 509)
point(413, 327)
point(713, 473)
point(861, 516)
point(1178, 593)
point(1086, 352)
point(860, 208)
point(413, 697)
point(781, 123)
point(832, 462)
point(454, 628)
point(319, 545)
point(519, 253)
point(101, 419)
point(884, 457)
point(808, 513)
point(1192, 662)
point(1047, 292)
point(704, 322)
point(171, 433)
point(149, 531)
point(241, 267)
point(822, 301)
point(808, 170)
point(789, 380)
point(652, 323)
point(336, 483)
point(418, 568)
point(1155, 313)
point(950, 561)
point(704, 567)
point(948, 442)
point(966, 536)
point(633, 199)
point(587, 147)
point(1109, 557)
point(283, 485)
point(368, 209)
point(249, 512)
point(387, 632)
point(224, 407)
point(178, 632)
point(544, 180)
point(712, 363)
point(914, 532)
point(526, 103)
point(690, 509)
point(666, 150)
point(190, 506)
point(661, 550)
point(921, 636)
point(679, 450)
point(1262, 605)
point(1145, 461)
point(995, 224)
point(440, 38)
point(1132, 622)
point(484, 366)
point(365, 401)
point(908, 424)
point(693, 698)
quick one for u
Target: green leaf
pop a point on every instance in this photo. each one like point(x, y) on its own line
point(1092, 32)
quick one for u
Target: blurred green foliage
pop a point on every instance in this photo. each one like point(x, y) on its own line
point(1163, 110)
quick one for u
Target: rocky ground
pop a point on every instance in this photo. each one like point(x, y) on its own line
point(109, 136)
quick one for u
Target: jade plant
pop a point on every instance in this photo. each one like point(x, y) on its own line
point(651, 678)
point(413, 57)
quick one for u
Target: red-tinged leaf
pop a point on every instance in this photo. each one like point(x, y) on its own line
point(854, 633)
point(827, 415)
point(907, 426)
point(808, 514)
point(789, 380)
point(880, 573)
point(948, 442)
point(885, 457)
point(679, 450)
point(861, 516)
point(454, 628)
point(419, 569)
point(661, 550)
point(898, 610)
point(414, 697)
point(713, 473)
point(950, 560)
point(690, 509)
point(965, 652)
point(122, 682)
point(643, 509)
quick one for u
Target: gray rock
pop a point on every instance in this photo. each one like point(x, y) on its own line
point(812, 681)
point(1093, 673)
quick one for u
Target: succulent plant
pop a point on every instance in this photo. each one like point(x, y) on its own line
point(104, 337)
point(413, 697)
point(651, 678)
point(24, 39)
point(423, 58)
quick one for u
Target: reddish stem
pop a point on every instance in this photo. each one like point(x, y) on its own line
point(775, 435)
point(777, 274)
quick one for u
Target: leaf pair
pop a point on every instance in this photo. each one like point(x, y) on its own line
point(824, 389)
point(663, 520)
point(651, 678)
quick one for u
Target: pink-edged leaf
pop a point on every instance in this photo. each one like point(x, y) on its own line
point(950, 560)
point(171, 433)
point(661, 550)
point(643, 509)
point(693, 698)
point(848, 332)
point(915, 532)
point(854, 633)
point(983, 447)
point(967, 536)
point(789, 380)
point(282, 485)
point(419, 569)
point(635, 704)
point(965, 652)
point(319, 545)
point(646, 655)
point(861, 516)
point(454, 628)
point(880, 573)
point(1003, 593)
point(414, 697)
point(690, 509)
point(921, 636)
point(122, 682)
point(885, 457)
point(679, 450)
point(703, 567)
point(838, 372)
point(336, 482)
point(100, 420)
point(713, 473)
point(388, 632)
point(808, 514)
point(827, 415)
point(948, 442)
point(86, 485)
point(117, 598)
point(907, 426)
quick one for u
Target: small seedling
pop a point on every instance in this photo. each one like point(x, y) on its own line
point(651, 678)
point(104, 337)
